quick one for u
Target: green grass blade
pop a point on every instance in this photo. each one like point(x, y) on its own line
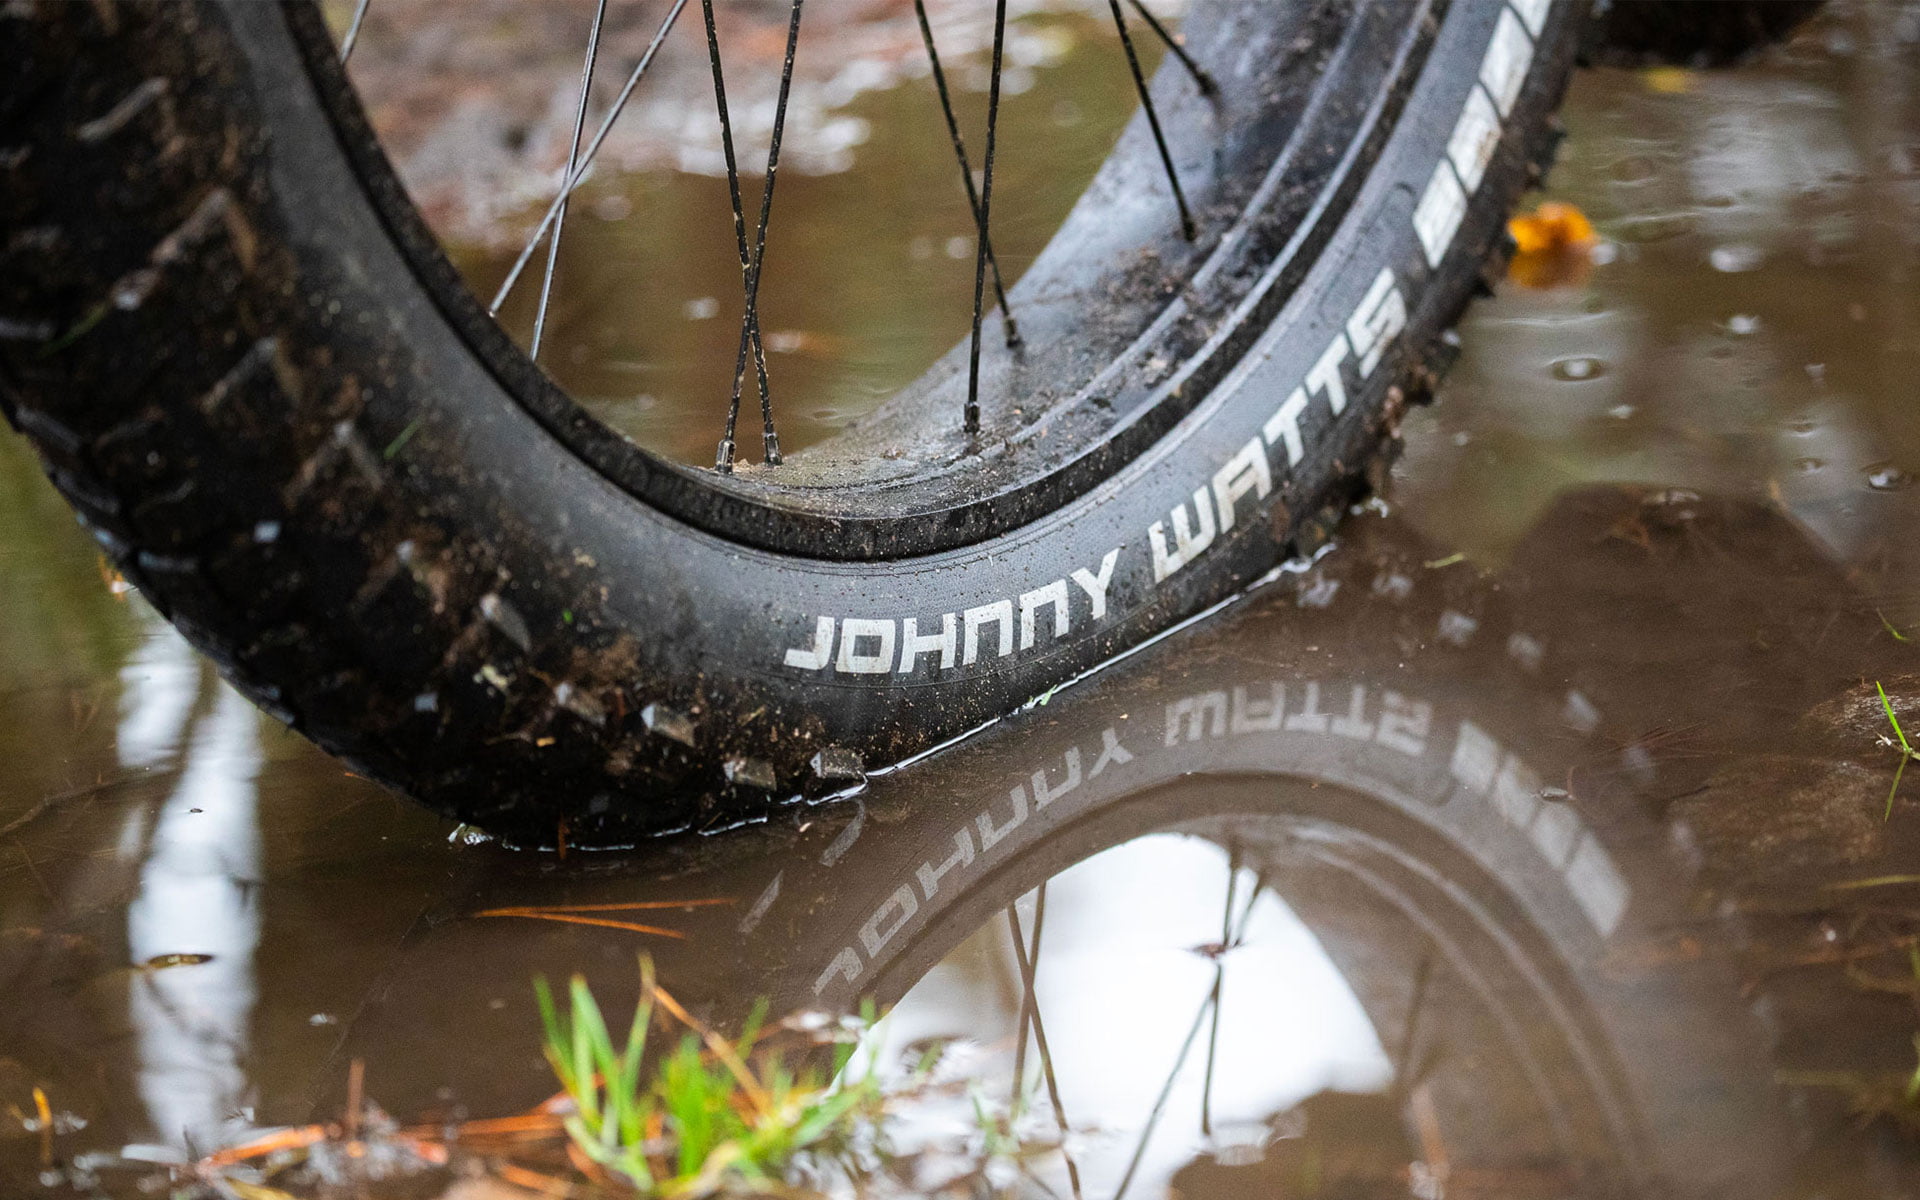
point(588, 1021)
point(825, 1116)
point(556, 1036)
point(584, 1011)
point(1913, 1084)
point(843, 1053)
point(1891, 719)
point(634, 1114)
point(633, 1164)
point(606, 1063)
point(696, 1102)
point(750, 1032)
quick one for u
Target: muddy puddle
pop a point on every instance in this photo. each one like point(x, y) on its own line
point(1541, 839)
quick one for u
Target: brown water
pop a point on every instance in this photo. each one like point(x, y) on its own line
point(1537, 841)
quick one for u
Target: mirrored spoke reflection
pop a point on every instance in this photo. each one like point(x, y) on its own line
point(1132, 947)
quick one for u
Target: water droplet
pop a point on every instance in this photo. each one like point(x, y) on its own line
point(1809, 464)
point(1736, 256)
point(1743, 323)
point(1885, 477)
point(1620, 412)
point(1654, 227)
point(1578, 368)
point(1802, 425)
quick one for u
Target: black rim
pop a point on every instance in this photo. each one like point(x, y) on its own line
point(1350, 80)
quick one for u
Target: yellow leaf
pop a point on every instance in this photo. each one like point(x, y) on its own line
point(1552, 226)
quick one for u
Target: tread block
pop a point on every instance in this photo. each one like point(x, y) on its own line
point(250, 411)
point(338, 490)
point(392, 618)
point(345, 705)
point(185, 517)
point(99, 508)
point(292, 655)
point(134, 455)
point(199, 267)
point(265, 579)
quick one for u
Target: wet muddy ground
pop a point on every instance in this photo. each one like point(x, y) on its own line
point(1541, 840)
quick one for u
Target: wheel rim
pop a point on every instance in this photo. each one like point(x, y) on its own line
point(910, 481)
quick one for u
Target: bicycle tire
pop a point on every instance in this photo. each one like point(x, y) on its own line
point(266, 394)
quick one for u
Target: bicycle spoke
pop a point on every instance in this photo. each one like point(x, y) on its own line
point(353, 30)
point(1029, 963)
point(750, 319)
point(1410, 1033)
point(980, 199)
point(966, 168)
point(1246, 910)
point(1219, 983)
point(750, 323)
point(723, 458)
point(1153, 119)
point(1025, 1019)
point(586, 160)
point(1160, 1102)
point(1201, 79)
point(573, 157)
point(983, 214)
point(1186, 1046)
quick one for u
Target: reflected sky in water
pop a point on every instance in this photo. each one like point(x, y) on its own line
point(199, 883)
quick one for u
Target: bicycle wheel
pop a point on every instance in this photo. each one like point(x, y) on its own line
point(250, 368)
